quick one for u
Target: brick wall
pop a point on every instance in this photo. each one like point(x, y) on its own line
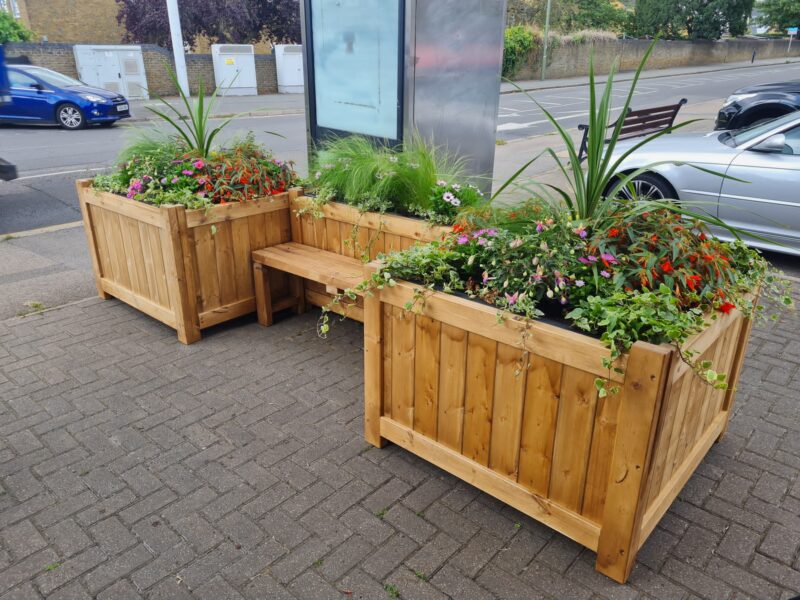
point(157, 61)
point(73, 21)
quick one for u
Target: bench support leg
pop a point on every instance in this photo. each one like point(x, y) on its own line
point(298, 291)
point(263, 294)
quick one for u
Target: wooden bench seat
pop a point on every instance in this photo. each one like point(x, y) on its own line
point(301, 262)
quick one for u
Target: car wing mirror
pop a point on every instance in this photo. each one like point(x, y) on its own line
point(37, 86)
point(774, 143)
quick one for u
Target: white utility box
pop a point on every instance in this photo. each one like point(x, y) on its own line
point(289, 65)
point(118, 69)
point(235, 69)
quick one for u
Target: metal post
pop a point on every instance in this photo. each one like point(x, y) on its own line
point(789, 49)
point(546, 38)
point(177, 44)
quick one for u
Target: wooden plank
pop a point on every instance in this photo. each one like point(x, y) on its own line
point(120, 205)
point(542, 395)
point(640, 405)
point(480, 377)
point(263, 294)
point(736, 370)
point(426, 375)
point(682, 389)
point(311, 263)
point(128, 252)
point(403, 346)
point(223, 251)
point(365, 236)
point(666, 425)
point(507, 405)
point(119, 270)
point(294, 217)
point(571, 524)
point(101, 239)
point(377, 244)
point(728, 366)
point(226, 312)
point(333, 239)
point(671, 488)
point(452, 379)
point(220, 213)
point(392, 243)
point(177, 241)
point(140, 303)
point(349, 236)
point(388, 321)
point(137, 252)
point(574, 425)
point(242, 270)
point(349, 310)
point(96, 251)
point(319, 233)
point(257, 231)
point(373, 370)
point(159, 271)
point(149, 262)
point(602, 448)
point(206, 258)
point(416, 229)
point(560, 345)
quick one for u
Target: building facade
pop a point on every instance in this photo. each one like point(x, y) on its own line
point(69, 21)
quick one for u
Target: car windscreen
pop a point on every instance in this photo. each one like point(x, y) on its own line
point(742, 136)
point(53, 78)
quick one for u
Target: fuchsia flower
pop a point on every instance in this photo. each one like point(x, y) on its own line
point(608, 259)
point(486, 278)
point(462, 239)
point(512, 298)
point(187, 172)
point(539, 227)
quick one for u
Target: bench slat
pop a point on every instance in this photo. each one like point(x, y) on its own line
point(312, 263)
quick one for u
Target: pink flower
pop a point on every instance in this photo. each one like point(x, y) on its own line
point(175, 180)
point(462, 239)
point(198, 164)
point(512, 298)
point(608, 259)
point(187, 172)
point(486, 278)
point(605, 274)
point(539, 227)
point(580, 231)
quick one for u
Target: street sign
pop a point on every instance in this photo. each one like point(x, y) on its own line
point(791, 30)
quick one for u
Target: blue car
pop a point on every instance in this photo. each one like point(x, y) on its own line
point(39, 95)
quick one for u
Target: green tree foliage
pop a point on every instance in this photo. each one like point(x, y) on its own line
point(780, 14)
point(569, 15)
point(694, 19)
point(13, 31)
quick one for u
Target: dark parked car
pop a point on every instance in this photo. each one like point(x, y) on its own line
point(39, 95)
point(758, 103)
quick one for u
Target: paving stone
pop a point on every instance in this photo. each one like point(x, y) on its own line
point(122, 590)
point(116, 568)
point(112, 536)
point(22, 539)
point(386, 558)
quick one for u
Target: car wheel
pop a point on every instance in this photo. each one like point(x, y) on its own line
point(648, 186)
point(70, 116)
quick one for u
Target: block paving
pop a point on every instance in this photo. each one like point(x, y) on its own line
point(132, 467)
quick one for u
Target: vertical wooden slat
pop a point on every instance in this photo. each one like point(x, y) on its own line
point(333, 240)
point(257, 232)
point(728, 366)
point(603, 436)
point(736, 369)
point(426, 375)
point(223, 249)
point(573, 437)
point(373, 369)
point(101, 233)
point(388, 322)
point(176, 241)
point(295, 224)
point(452, 373)
point(364, 235)
point(307, 230)
point(159, 270)
point(640, 404)
point(319, 232)
point(149, 266)
point(377, 243)
point(96, 250)
point(509, 398)
point(206, 268)
point(403, 333)
point(114, 238)
point(243, 274)
point(481, 361)
point(669, 413)
point(349, 239)
point(392, 243)
point(136, 252)
point(125, 259)
point(543, 388)
point(682, 389)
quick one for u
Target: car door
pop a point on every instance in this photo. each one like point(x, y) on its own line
point(768, 204)
point(28, 103)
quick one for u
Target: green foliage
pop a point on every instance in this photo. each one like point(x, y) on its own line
point(192, 127)
point(12, 30)
point(517, 44)
point(695, 19)
point(568, 16)
point(361, 172)
point(780, 14)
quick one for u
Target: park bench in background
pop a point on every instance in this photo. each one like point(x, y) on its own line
point(637, 123)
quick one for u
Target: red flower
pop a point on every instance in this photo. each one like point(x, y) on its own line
point(726, 307)
point(702, 236)
point(667, 267)
point(613, 232)
point(708, 258)
point(458, 228)
point(692, 281)
point(653, 238)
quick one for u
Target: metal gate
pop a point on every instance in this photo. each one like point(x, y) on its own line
point(117, 69)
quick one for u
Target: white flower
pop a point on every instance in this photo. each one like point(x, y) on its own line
point(456, 187)
point(448, 197)
point(393, 159)
point(318, 174)
point(455, 202)
point(441, 183)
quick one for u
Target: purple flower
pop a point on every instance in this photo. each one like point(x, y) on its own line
point(580, 283)
point(563, 300)
point(580, 231)
point(175, 180)
point(201, 180)
point(163, 181)
point(482, 242)
point(539, 227)
point(462, 239)
point(512, 298)
point(608, 258)
point(592, 258)
point(583, 259)
point(605, 274)
point(177, 162)
point(486, 278)
point(187, 172)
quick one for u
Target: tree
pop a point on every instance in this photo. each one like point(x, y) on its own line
point(780, 14)
point(12, 30)
point(568, 15)
point(222, 21)
point(695, 19)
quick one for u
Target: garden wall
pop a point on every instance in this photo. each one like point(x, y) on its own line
point(60, 57)
point(572, 60)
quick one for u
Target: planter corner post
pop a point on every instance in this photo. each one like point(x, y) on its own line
point(180, 274)
point(373, 369)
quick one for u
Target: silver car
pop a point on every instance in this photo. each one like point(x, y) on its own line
point(766, 158)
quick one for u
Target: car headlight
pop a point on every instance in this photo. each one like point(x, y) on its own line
point(93, 98)
point(737, 98)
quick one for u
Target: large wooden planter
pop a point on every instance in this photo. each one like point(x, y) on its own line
point(190, 269)
point(512, 408)
point(345, 230)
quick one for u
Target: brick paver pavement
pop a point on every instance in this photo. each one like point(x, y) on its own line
point(134, 467)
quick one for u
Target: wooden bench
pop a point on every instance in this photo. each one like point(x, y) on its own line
point(335, 271)
point(637, 123)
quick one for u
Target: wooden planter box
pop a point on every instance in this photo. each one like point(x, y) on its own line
point(512, 409)
point(190, 269)
point(345, 230)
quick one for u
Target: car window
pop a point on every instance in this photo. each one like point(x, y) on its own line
point(20, 80)
point(742, 136)
point(792, 142)
point(55, 79)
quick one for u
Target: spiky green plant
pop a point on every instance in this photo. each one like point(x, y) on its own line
point(192, 127)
